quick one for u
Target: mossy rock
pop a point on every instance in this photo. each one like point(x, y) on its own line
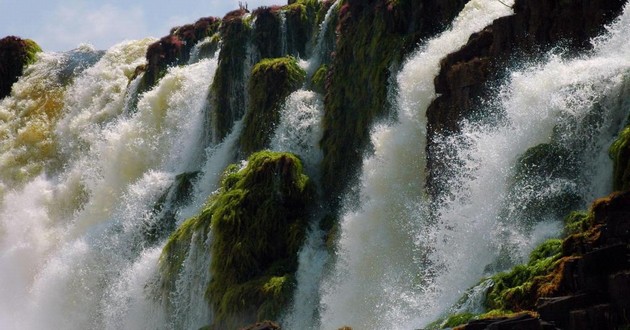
point(267, 32)
point(303, 18)
point(518, 288)
point(229, 85)
point(373, 39)
point(318, 82)
point(162, 219)
point(620, 154)
point(271, 81)
point(259, 224)
point(15, 54)
point(258, 220)
point(174, 49)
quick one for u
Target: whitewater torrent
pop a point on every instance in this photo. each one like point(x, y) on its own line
point(71, 235)
point(396, 267)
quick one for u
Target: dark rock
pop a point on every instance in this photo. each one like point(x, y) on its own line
point(519, 322)
point(557, 309)
point(174, 49)
point(15, 55)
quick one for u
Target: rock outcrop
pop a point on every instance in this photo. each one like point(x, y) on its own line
point(15, 55)
point(258, 221)
point(271, 81)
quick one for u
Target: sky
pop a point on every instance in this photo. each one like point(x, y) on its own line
point(59, 25)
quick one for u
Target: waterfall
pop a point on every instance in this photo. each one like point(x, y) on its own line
point(284, 48)
point(400, 265)
point(380, 274)
point(74, 235)
point(321, 47)
point(92, 182)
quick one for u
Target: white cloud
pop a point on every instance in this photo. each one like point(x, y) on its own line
point(102, 26)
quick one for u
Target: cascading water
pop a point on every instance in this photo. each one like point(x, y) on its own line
point(87, 221)
point(398, 267)
point(380, 277)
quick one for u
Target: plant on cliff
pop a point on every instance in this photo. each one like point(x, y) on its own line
point(257, 221)
point(620, 154)
point(516, 290)
point(271, 81)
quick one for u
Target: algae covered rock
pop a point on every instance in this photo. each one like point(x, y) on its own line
point(15, 55)
point(256, 223)
point(272, 80)
point(229, 84)
point(620, 153)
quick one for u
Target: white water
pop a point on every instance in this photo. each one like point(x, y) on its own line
point(72, 243)
point(378, 280)
point(397, 268)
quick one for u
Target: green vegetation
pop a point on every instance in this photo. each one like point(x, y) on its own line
point(517, 289)
point(31, 48)
point(258, 220)
point(271, 81)
point(228, 88)
point(258, 226)
point(303, 18)
point(266, 34)
point(620, 154)
point(318, 82)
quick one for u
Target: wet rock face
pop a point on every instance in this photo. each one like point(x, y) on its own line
point(593, 291)
point(537, 25)
point(15, 55)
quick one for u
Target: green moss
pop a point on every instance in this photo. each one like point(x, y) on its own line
point(576, 222)
point(271, 81)
point(258, 220)
point(318, 82)
point(31, 49)
point(517, 289)
point(229, 84)
point(258, 224)
point(162, 219)
point(620, 153)
point(458, 319)
point(303, 18)
point(267, 33)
